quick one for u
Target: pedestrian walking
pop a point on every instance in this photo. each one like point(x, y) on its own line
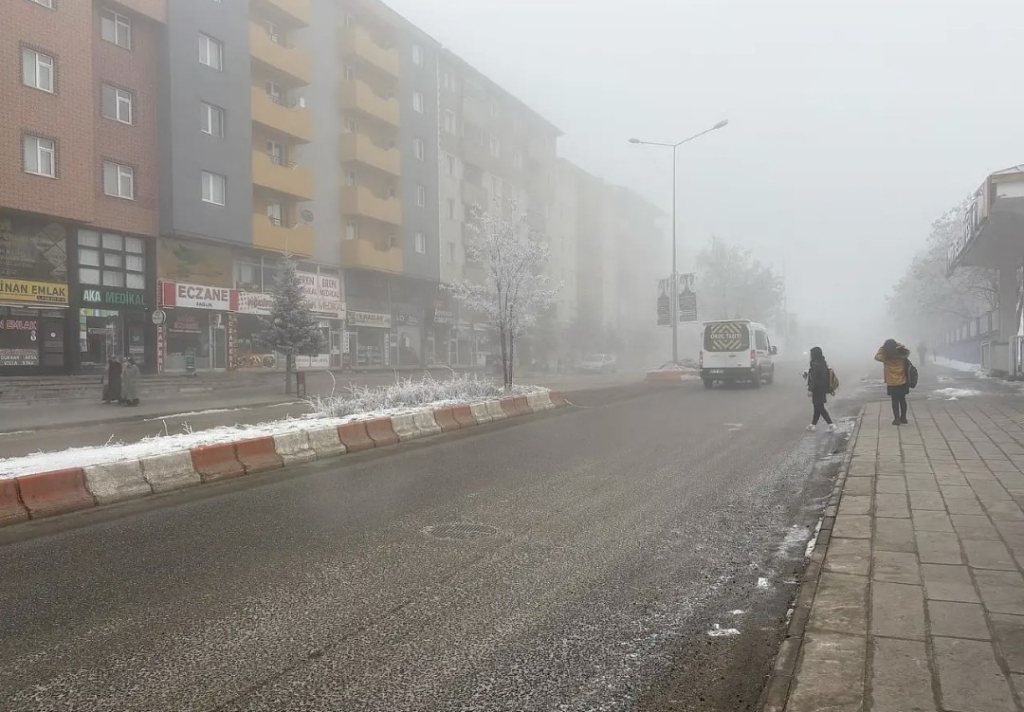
point(819, 385)
point(896, 359)
point(922, 352)
point(130, 383)
point(112, 388)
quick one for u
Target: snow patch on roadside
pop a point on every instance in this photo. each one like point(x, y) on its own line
point(193, 413)
point(718, 631)
point(954, 393)
point(959, 365)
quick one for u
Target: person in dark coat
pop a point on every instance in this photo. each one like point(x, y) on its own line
point(819, 385)
point(112, 391)
point(130, 383)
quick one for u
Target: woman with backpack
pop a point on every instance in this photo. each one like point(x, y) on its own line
point(819, 385)
point(895, 357)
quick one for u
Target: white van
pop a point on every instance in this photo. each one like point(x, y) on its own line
point(736, 350)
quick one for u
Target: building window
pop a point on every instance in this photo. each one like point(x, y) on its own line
point(211, 52)
point(115, 28)
point(40, 156)
point(37, 70)
point(452, 254)
point(44, 3)
point(496, 186)
point(421, 243)
point(211, 119)
point(118, 180)
point(419, 149)
point(451, 164)
point(446, 80)
point(492, 108)
point(274, 213)
point(417, 102)
point(421, 196)
point(214, 188)
point(517, 159)
point(417, 55)
point(351, 231)
point(449, 121)
point(495, 147)
point(451, 209)
point(111, 260)
point(275, 149)
point(116, 104)
point(350, 73)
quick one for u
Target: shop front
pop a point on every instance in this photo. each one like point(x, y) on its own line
point(369, 339)
point(33, 297)
point(407, 338)
point(198, 333)
point(112, 322)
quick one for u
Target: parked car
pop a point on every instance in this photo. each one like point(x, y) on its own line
point(599, 363)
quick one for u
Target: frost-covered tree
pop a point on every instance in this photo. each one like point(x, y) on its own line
point(926, 300)
point(731, 284)
point(291, 329)
point(513, 292)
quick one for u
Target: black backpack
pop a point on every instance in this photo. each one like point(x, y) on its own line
point(911, 374)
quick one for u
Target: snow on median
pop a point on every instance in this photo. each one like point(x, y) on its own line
point(360, 404)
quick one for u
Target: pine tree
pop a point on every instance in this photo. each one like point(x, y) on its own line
point(291, 329)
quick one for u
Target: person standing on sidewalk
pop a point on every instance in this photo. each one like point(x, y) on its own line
point(894, 356)
point(112, 391)
point(922, 352)
point(130, 383)
point(819, 385)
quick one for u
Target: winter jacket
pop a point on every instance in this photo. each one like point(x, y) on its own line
point(130, 382)
point(895, 368)
point(113, 380)
point(819, 382)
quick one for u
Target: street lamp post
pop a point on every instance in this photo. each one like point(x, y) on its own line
point(675, 273)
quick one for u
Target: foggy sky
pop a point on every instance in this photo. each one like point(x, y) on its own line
point(852, 125)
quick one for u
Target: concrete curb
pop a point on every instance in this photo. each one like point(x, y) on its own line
point(776, 694)
point(47, 494)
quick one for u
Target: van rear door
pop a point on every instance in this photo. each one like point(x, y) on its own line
point(727, 345)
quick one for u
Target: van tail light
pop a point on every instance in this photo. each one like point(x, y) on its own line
point(753, 357)
point(702, 358)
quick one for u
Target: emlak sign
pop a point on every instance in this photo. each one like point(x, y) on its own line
point(198, 296)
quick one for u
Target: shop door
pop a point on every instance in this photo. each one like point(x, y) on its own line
point(52, 333)
point(219, 350)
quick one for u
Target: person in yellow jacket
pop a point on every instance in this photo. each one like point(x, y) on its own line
point(894, 356)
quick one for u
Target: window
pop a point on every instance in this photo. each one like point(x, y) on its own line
point(117, 261)
point(417, 55)
point(44, 3)
point(274, 32)
point(274, 213)
point(211, 119)
point(449, 121)
point(276, 152)
point(352, 178)
point(275, 91)
point(493, 109)
point(118, 180)
point(350, 125)
point(446, 80)
point(214, 188)
point(451, 209)
point(211, 52)
point(36, 70)
point(115, 28)
point(116, 104)
point(451, 164)
point(40, 156)
point(496, 186)
point(495, 147)
point(419, 149)
point(452, 253)
point(351, 231)
point(421, 196)
point(421, 243)
point(761, 340)
point(517, 159)
point(350, 73)
point(417, 102)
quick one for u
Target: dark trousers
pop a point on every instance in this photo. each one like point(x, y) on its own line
point(899, 406)
point(820, 412)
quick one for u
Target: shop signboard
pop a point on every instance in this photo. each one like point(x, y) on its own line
point(106, 296)
point(29, 292)
point(358, 318)
point(19, 338)
point(33, 250)
point(444, 317)
point(255, 303)
point(197, 296)
point(329, 299)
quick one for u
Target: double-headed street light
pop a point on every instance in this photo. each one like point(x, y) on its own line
point(675, 277)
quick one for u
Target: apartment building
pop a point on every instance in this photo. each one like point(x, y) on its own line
point(79, 191)
point(494, 150)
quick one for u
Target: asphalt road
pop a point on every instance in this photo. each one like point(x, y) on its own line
point(631, 536)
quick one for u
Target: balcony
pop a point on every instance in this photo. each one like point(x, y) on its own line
point(363, 254)
point(290, 179)
point(298, 12)
point(293, 62)
point(282, 116)
point(356, 95)
point(360, 200)
point(359, 44)
point(361, 148)
point(267, 235)
point(476, 155)
point(475, 194)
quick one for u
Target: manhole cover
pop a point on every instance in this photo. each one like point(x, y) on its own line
point(460, 531)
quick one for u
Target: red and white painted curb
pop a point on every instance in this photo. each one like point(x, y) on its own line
point(46, 494)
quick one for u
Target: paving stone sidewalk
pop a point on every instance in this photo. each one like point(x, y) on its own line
point(919, 605)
